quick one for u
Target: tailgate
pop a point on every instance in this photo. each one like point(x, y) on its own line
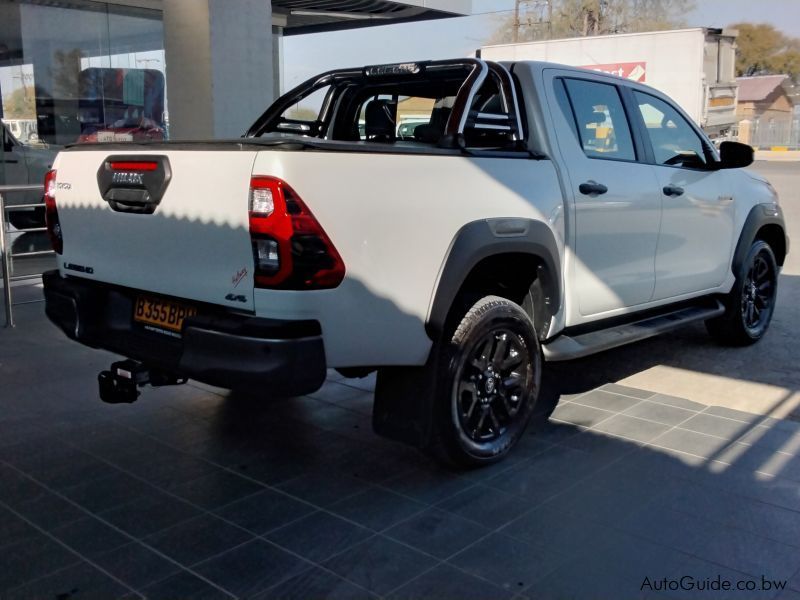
point(193, 244)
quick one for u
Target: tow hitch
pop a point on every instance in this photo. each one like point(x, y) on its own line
point(119, 385)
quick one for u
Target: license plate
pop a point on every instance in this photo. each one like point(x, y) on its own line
point(166, 314)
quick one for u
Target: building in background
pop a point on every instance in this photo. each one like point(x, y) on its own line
point(127, 70)
point(764, 97)
point(766, 111)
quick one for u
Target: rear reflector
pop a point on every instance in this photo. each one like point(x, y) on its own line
point(51, 212)
point(134, 166)
point(266, 255)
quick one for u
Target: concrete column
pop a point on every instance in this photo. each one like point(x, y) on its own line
point(219, 66)
point(277, 61)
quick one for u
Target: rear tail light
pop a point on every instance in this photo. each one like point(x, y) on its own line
point(51, 212)
point(290, 248)
point(262, 202)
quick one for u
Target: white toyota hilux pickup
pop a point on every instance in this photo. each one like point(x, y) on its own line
point(542, 213)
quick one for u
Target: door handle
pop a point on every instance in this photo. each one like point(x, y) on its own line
point(672, 190)
point(592, 187)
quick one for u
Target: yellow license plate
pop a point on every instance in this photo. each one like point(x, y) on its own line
point(166, 314)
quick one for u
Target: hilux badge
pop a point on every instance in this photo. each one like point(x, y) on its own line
point(127, 178)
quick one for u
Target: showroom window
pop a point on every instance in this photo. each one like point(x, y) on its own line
point(81, 72)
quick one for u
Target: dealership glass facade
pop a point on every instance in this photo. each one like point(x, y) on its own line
point(80, 71)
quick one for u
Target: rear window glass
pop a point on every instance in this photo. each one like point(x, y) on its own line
point(600, 119)
point(389, 118)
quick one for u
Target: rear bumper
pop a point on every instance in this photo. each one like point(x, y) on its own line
point(216, 347)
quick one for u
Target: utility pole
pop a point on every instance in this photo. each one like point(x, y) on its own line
point(533, 18)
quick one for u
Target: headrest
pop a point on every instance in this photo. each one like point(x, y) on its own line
point(433, 131)
point(380, 118)
point(593, 117)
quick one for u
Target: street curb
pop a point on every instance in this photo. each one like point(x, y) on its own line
point(784, 154)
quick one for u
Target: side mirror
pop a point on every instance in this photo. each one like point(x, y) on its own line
point(734, 155)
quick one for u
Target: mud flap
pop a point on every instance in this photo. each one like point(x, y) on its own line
point(405, 400)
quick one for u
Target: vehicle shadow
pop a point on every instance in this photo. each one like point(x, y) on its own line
point(575, 511)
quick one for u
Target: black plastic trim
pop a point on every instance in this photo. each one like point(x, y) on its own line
point(313, 145)
point(756, 219)
point(476, 241)
point(233, 145)
point(141, 197)
point(567, 347)
point(478, 69)
point(221, 348)
point(639, 315)
point(641, 138)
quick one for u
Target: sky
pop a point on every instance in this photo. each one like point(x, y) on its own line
point(307, 55)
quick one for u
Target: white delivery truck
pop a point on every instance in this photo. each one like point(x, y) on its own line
point(694, 66)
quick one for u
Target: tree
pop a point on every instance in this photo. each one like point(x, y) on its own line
point(66, 73)
point(551, 19)
point(20, 104)
point(762, 49)
point(787, 62)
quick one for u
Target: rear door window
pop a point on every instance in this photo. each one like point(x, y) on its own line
point(600, 120)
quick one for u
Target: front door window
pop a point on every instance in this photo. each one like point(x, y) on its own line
point(674, 141)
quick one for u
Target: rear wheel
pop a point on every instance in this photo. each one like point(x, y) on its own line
point(489, 385)
point(751, 302)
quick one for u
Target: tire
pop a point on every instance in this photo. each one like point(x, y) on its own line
point(751, 302)
point(488, 385)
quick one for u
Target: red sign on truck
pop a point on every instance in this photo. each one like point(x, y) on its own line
point(635, 71)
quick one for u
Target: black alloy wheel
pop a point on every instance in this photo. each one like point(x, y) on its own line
point(489, 384)
point(758, 293)
point(751, 301)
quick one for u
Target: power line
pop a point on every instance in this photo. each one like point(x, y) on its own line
point(491, 12)
point(542, 10)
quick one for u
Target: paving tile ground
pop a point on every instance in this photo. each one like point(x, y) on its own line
point(193, 492)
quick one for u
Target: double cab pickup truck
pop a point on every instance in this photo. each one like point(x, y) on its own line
point(542, 213)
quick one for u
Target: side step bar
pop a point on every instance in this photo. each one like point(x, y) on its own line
point(565, 347)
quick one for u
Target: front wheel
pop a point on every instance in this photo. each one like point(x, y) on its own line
point(751, 302)
point(489, 385)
